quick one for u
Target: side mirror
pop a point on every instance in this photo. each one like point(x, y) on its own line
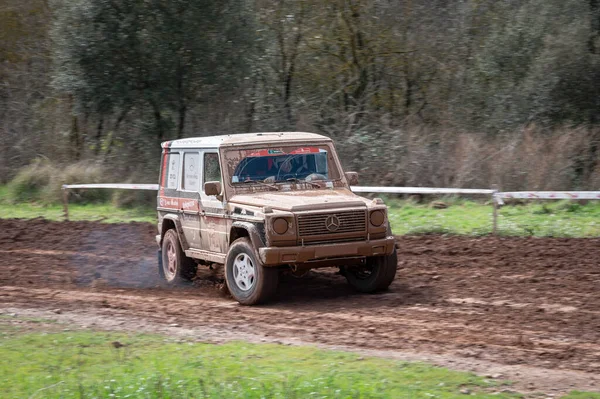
point(352, 178)
point(212, 188)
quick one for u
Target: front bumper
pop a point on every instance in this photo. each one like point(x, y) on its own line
point(273, 256)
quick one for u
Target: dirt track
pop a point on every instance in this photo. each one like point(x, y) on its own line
point(529, 308)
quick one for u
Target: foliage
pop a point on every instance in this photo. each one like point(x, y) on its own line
point(42, 181)
point(163, 56)
point(538, 66)
point(501, 92)
point(31, 181)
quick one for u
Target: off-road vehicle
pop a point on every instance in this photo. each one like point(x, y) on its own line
point(263, 203)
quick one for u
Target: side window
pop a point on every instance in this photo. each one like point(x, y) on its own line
point(191, 177)
point(212, 169)
point(173, 171)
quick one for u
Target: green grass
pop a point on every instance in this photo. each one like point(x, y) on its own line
point(547, 219)
point(582, 395)
point(104, 212)
point(85, 364)
point(3, 193)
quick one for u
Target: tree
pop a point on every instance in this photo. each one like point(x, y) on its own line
point(154, 55)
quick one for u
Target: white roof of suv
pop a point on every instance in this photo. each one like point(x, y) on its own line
point(244, 138)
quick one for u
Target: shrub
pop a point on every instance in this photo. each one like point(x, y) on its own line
point(30, 181)
point(42, 181)
point(81, 172)
point(133, 198)
point(569, 206)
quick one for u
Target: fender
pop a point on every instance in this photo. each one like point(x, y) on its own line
point(175, 219)
point(389, 230)
point(253, 232)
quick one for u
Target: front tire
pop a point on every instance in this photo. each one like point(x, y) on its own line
point(249, 282)
point(175, 268)
point(377, 274)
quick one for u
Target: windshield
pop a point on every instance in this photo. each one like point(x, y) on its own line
point(279, 164)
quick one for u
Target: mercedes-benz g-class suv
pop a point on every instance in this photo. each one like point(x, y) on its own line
point(263, 203)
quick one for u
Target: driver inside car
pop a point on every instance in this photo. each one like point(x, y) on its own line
point(281, 167)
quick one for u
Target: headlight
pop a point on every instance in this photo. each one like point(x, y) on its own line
point(377, 218)
point(280, 225)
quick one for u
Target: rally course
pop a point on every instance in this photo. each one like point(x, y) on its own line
point(521, 309)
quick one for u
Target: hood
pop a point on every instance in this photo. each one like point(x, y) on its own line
point(301, 200)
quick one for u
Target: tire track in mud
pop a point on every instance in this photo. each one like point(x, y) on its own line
point(505, 301)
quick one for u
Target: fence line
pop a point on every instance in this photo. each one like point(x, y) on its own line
point(119, 186)
point(496, 196)
point(552, 195)
point(420, 190)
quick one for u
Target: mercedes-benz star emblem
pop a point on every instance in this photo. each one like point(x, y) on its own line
point(332, 223)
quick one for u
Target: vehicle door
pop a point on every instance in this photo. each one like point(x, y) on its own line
point(213, 221)
point(189, 197)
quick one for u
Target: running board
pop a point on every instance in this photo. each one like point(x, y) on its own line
point(208, 256)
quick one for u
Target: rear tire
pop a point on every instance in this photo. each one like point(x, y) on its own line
point(175, 267)
point(377, 275)
point(249, 282)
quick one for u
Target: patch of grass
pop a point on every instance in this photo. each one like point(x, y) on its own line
point(559, 219)
point(87, 364)
point(3, 194)
point(461, 217)
point(547, 219)
point(582, 395)
point(100, 212)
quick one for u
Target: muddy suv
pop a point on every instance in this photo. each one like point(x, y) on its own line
point(264, 203)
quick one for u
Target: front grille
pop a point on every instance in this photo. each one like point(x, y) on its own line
point(333, 240)
point(312, 227)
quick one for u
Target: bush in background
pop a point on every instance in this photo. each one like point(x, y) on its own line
point(42, 182)
point(527, 159)
point(30, 181)
point(134, 198)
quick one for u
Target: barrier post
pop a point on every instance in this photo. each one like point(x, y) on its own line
point(495, 212)
point(66, 203)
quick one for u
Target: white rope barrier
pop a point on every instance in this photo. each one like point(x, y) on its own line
point(420, 190)
point(115, 186)
point(552, 195)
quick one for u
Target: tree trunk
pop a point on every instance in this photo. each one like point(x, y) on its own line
point(181, 123)
point(160, 134)
point(251, 108)
point(99, 131)
point(74, 135)
point(111, 140)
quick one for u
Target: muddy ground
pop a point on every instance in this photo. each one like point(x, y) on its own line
point(525, 309)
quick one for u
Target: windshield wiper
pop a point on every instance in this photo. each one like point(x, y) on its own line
point(262, 183)
point(296, 180)
point(313, 183)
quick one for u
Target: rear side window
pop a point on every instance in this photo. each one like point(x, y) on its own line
point(191, 176)
point(173, 171)
point(212, 169)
